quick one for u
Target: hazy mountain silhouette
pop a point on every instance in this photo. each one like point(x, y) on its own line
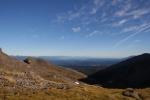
point(133, 72)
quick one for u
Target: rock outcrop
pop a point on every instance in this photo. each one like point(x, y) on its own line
point(130, 92)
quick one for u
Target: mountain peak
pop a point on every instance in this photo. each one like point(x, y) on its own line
point(1, 51)
point(145, 54)
point(2, 54)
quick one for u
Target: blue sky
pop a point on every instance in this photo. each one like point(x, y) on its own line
point(97, 28)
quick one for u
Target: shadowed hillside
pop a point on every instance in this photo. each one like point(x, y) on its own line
point(133, 72)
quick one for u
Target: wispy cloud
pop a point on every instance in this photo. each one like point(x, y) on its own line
point(81, 12)
point(64, 17)
point(118, 15)
point(138, 13)
point(93, 33)
point(130, 29)
point(96, 6)
point(93, 11)
point(73, 15)
point(76, 29)
point(121, 22)
point(148, 30)
point(141, 29)
point(134, 28)
point(127, 11)
point(123, 10)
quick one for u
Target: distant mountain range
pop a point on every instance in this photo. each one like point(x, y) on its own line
point(133, 72)
point(87, 65)
point(77, 61)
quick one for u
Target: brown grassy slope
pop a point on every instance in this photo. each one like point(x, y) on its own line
point(51, 71)
point(86, 92)
point(8, 63)
point(42, 68)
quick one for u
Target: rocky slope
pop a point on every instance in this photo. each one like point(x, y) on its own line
point(34, 74)
point(51, 72)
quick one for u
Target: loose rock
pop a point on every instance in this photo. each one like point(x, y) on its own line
point(130, 92)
